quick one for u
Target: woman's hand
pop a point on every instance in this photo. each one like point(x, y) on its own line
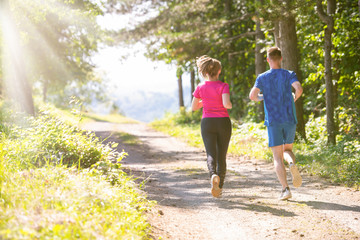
point(196, 104)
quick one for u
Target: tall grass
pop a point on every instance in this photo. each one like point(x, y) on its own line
point(58, 182)
point(338, 164)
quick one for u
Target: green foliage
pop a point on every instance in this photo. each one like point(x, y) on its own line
point(55, 41)
point(247, 139)
point(50, 139)
point(186, 117)
point(250, 139)
point(185, 125)
point(58, 182)
point(315, 129)
point(114, 118)
point(184, 30)
point(60, 203)
point(4, 113)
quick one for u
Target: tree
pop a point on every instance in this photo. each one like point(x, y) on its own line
point(60, 49)
point(16, 82)
point(180, 88)
point(330, 106)
point(59, 38)
point(192, 82)
point(237, 32)
point(172, 38)
point(260, 63)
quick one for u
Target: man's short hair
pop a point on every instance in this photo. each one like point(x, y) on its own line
point(274, 53)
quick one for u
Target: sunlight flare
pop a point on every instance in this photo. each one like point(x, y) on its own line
point(14, 71)
point(43, 43)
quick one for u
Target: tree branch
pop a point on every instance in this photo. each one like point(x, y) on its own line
point(323, 16)
point(247, 34)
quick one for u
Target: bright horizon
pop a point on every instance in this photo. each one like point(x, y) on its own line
point(135, 74)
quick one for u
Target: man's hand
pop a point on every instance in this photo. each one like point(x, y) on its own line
point(298, 90)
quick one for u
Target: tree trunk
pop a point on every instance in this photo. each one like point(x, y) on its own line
point(286, 40)
point(260, 63)
point(45, 89)
point(277, 33)
point(330, 106)
point(1, 87)
point(15, 81)
point(336, 77)
point(181, 98)
point(192, 82)
point(231, 46)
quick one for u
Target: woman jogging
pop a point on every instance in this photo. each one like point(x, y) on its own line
point(214, 97)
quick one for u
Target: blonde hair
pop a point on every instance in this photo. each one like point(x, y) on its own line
point(274, 53)
point(208, 66)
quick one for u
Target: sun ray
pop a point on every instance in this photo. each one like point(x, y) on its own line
point(21, 27)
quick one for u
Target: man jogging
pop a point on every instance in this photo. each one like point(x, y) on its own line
point(280, 115)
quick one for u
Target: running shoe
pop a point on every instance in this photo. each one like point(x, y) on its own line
point(285, 194)
point(295, 174)
point(215, 189)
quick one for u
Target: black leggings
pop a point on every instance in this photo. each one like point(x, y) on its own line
point(216, 133)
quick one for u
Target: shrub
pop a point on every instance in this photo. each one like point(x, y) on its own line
point(50, 139)
point(42, 198)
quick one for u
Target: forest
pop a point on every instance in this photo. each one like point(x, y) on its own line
point(319, 41)
point(58, 181)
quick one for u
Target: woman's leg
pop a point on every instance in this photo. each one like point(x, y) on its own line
point(209, 137)
point(223, 139)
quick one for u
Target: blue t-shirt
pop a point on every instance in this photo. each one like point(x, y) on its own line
point(279, 106)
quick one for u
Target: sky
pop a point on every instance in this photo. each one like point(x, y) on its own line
point(135, 72)
point(136, 75)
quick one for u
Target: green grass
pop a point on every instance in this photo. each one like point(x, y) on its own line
point(58, 182)
point(63, 203)
point(128, 138)
point(338, 164)
point(247, 139)
point(114, 118)
point(76, 117)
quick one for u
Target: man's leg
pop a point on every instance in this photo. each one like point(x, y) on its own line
point(290, 158)
point(278, 153)
point(288, 154)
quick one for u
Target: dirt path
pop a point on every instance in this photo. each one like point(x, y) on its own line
point(177, 179)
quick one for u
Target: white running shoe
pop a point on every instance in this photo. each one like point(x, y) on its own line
point(215, 189)
point(295, 174)
point(285, 194)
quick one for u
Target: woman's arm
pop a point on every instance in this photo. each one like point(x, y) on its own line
point(196, 104)
point(226, 100)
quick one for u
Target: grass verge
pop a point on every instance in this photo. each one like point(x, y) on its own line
point(58, 182)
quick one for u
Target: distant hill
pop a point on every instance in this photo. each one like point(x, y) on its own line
point(145, 106)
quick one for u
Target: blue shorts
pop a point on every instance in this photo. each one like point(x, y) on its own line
point(281, 134)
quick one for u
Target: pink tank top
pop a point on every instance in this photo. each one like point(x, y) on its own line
point(210, 92)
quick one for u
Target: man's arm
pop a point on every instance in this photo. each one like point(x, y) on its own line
point(298, 90)
point(196, 104)
point(255, 95)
